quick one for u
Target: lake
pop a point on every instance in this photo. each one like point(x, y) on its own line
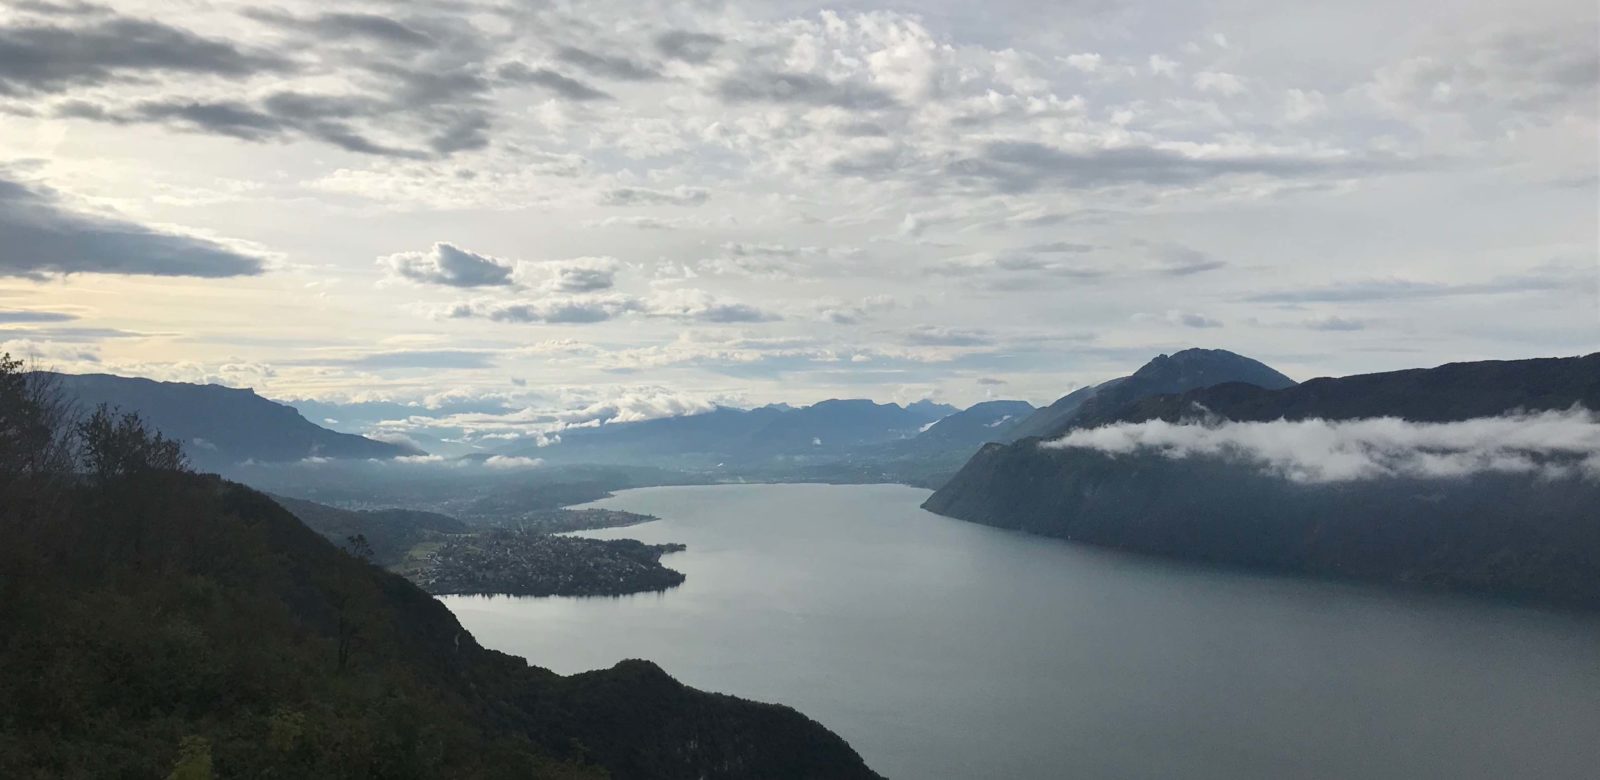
point(944, 649)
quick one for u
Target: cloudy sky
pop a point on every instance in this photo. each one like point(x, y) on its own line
point(569, 205)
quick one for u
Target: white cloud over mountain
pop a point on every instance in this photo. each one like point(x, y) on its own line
point(1553, 445)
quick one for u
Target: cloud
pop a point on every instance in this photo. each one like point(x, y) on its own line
point(1548, 444)
point(35, 316)
point(767, 86)
point(1162, 66)
point(329, 118)
point(773, 261)
point(933, 336)
point(551, 310)
point(1220, 83)
point(1336, 324)
point(565, 86)
point(1301, 105)
point(578, 275)
point(1183, 319)
point(342, 26)
point(541, 425)
point(641, 196)
point(40, 58)
point(320, 117)
point(688, 46)
point(511, 462)
point(639, 405)
point(842, 312)
point(1027, 266)
point(1087, 62)
point(702, 306)
point(419, 358)
point(41, 236)
point(1506, 78)
point(49, 355)
point(63, 8)
point(696, 305)
point(418, 460)
point(1186, 261)
point(1395, 289)
point(71, 335)
point(448, 265)
point(229, 118)
point(395, 438)
point(636, 222)
point(1022, 166)
point(606, 65)
point(1059, 246)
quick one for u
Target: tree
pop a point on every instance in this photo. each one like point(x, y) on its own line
point(346, 603)
point(117, 444)
point(37, 453)
point(35, 424)
point(358, 546)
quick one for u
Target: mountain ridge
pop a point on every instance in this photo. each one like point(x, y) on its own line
point(1184, 370)
point(1496, 533)
point(221, 631)
point(221, 427)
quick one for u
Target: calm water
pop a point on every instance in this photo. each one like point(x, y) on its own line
point(942, 649)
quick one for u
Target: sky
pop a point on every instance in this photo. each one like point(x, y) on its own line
point(631, 210)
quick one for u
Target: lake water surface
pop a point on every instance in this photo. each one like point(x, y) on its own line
point(943, 649)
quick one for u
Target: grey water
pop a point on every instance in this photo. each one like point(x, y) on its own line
point(943, 649)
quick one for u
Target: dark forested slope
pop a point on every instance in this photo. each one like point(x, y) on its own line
point(1514, 534)
point(391, 533)
point(158, 623)
point(193, 614)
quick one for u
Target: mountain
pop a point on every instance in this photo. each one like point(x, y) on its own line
point(839, 424)
point(1500, 531)
point(744, 436)
point(1176, 373)
point(694, 440)
point(975, 425)
point(390, 532)
point(1455, 391)
point(221, 427)
point(175, 625)
point(1049, 418)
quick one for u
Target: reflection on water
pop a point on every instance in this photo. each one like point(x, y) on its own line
point(944, 649)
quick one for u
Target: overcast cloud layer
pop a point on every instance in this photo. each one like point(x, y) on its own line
point(1552, 445)
point(564, 206)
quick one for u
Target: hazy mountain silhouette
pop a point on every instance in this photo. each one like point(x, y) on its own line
point(825, 429)
point(220, 426)
point(977, 424)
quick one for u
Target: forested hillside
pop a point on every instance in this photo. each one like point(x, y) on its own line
point(1520, 524)
point(172, 624)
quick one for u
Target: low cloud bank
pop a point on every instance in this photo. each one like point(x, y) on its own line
point(1553, 445)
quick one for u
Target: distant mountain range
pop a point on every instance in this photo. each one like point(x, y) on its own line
point(979, 423)
point(839, 440)
point(824, 431)
point(1519, 523)
point(221, 427)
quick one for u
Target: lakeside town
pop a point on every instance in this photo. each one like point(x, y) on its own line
point(521, 562)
